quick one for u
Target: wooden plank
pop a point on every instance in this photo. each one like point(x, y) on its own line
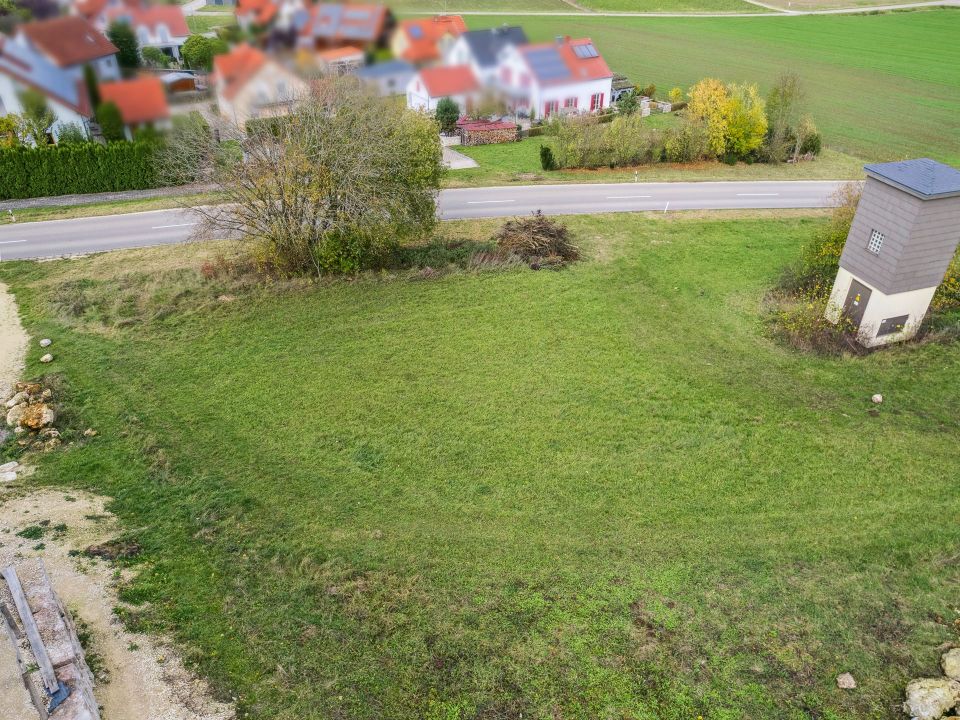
point(50, 681)
point(11, 628)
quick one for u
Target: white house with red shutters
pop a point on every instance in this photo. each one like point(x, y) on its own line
point(567, 76)
point(563, 77)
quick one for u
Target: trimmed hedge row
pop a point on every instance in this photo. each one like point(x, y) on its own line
point(27, 172)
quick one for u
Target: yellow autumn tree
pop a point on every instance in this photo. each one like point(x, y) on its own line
point(710, 104)
point(746, 120)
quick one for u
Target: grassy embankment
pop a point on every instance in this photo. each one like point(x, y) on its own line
point(598, 492)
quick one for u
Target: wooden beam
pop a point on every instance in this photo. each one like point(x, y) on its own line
point(50, 681)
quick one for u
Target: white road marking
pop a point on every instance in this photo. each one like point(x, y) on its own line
point(757, 194)
point(667, 207)
point(484, 202)
point(161, 227)
point(8, 242)
point(626, 197)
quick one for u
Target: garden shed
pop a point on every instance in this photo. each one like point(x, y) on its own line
point(902, 239)
point(487, 132)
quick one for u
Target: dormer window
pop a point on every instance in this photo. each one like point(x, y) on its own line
point(876, 242)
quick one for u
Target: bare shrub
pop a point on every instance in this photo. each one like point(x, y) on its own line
point(328, 188)
point(820, 257)
point(537, 239)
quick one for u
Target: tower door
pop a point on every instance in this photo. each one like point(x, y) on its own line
point(856, 303)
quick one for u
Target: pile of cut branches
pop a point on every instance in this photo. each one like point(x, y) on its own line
point(537, 239)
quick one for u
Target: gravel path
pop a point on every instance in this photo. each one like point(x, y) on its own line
point(13, 342)
point(91, 198)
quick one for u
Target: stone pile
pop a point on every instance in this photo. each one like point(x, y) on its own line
point(30, 415)
point(932, 698)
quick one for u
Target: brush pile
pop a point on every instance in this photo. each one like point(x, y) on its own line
point(538, 240)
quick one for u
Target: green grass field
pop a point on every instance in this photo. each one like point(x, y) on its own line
point(206, 23)
point(596, 492)
point(880, 87)
point(566, 6)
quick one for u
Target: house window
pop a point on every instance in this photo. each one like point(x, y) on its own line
point(570, 102)
point(876, 242)
point(596, 101)
point(550, 107)
point(505, 76)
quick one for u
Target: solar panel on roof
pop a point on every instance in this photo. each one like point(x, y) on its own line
point(357, 14)
point(585, 51)
point(416, 32)
point(547, 64)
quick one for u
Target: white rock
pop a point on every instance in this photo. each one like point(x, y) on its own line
point(845, 681)
point(877, 399)
point(949, 661)
point(47, 358)
point(46, 342)
point(14, 414)
point(20, 397)
point(10, 466)
point(931, 698)
point(6, 477)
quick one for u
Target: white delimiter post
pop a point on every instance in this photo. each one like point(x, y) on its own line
point(903, 237)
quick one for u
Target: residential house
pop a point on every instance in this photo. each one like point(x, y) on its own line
point(160, 26)
point(339, 61)
point(566, 76)
point(23, 67)
point(281, 17)
point(390, 78)
point(432, 84)
point(332, 25)
point(481, 50)
point(426, 40)
point(70, 43)
point(249, 84)
point(255, 13)
point(142, 103)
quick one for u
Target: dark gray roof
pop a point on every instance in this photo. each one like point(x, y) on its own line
point(924, 178)
point(487, 44)
point(383, 69)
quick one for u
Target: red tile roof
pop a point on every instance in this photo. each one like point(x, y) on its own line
point(344, 53)
point(449, 80)
point(152, 16)
point(424, 34)
point(140, 100)
point(580, 69)
point(236, 67)
point(89, 8)
point(68, 40)
point(481, 125)
point(260, 12)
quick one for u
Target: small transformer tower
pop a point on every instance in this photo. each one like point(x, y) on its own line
point(903, 237)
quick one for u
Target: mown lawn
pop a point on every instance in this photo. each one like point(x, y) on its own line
point(520, 163)
point(596, 492)
point(206, 23)
point(881, 87)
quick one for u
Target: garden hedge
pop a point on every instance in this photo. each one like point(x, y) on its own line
point(27, 172)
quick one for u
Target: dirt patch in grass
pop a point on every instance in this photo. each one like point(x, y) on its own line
point(138, 676)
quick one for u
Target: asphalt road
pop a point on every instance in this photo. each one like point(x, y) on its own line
point(160, 227)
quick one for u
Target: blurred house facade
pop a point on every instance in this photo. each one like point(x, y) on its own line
point(567, 76)
point(249, 84)
point(422, 41)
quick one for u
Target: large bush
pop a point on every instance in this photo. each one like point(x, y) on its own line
point(77, 168)
point(588, 142)
point(332, 188)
